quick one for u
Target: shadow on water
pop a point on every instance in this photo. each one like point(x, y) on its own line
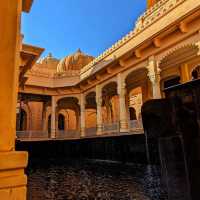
point(62, 179)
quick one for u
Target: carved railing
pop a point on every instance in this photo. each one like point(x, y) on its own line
point(111, 127)
point(68, 134)
point(136, 125)
point(91, 131)
point(32, 134)
point(155, 12)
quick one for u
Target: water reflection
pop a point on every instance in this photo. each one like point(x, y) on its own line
point(92, 180)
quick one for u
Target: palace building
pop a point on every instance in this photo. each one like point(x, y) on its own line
point(81, 96)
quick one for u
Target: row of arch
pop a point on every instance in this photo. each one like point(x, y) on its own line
point(138, 90)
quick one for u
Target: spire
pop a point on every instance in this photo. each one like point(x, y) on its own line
point(79, 50)
point(50, 55)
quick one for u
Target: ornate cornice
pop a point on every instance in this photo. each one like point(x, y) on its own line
point(153, 14)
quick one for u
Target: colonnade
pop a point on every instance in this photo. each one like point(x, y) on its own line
point(148, 78)
point(153, 75)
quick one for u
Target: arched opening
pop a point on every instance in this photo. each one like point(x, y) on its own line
point(61, 122)
point(71, 120)
point(70, 109)
point(90, 113)
point(110, 99)
point(49, 124)
point(196, 73)
point(135, 103)
point(176, 67)
point(132, 113)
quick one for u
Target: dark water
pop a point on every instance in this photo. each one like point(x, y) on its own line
point(92, 180)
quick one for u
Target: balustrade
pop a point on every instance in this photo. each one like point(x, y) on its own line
point(136, 126)
point(91, 131)
point(111, 127)
point(68, 134)
point(107, 128)
point(32, 134)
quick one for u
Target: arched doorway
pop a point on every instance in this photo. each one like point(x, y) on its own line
point(61, 122)
point(69, 110)
point(132, 112)
point(196, 73)
point(90, 114)
point(110, 100)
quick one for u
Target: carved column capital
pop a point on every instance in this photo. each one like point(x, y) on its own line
point(154, 77)
point(153, 71)
point(198, 46)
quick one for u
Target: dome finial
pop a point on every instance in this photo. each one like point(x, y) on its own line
point(50, 55)
point(79, 50)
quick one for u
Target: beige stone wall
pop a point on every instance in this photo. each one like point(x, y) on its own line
point(36, 122)
point(91, 118)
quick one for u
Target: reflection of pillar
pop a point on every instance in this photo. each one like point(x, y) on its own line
point(82, 105)
point(154, 77)
point(122, 103)
point(99, 110)
point(12, 163)
point(53, 117)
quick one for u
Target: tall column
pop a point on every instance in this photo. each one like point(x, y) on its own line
point(154, 77)
point(82, 121)
point(185, 76)
point(122, 103)
point(99, 110)
point(12, 178)
point(53, 117)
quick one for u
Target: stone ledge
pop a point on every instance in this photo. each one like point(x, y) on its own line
point(13, 160)
point(13, 182)
point(18, 193)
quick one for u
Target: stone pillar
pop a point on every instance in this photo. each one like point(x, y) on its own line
point(13, 181)
point(154, 77)
point(122, 103)
point(82, 121)
point(185, 76)
point(53, 117)
point(99, 110)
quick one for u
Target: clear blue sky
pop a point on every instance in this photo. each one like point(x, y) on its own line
point(63, 26)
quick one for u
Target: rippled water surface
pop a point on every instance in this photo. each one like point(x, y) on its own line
point(87, 180)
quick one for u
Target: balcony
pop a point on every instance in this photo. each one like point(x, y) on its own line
point(111, 129)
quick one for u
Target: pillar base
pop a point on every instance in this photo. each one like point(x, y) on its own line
point(53, 134)
point(123, 127)
point(99, 130)
point(124, 130)
point(82, 132)
point(13, 181)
